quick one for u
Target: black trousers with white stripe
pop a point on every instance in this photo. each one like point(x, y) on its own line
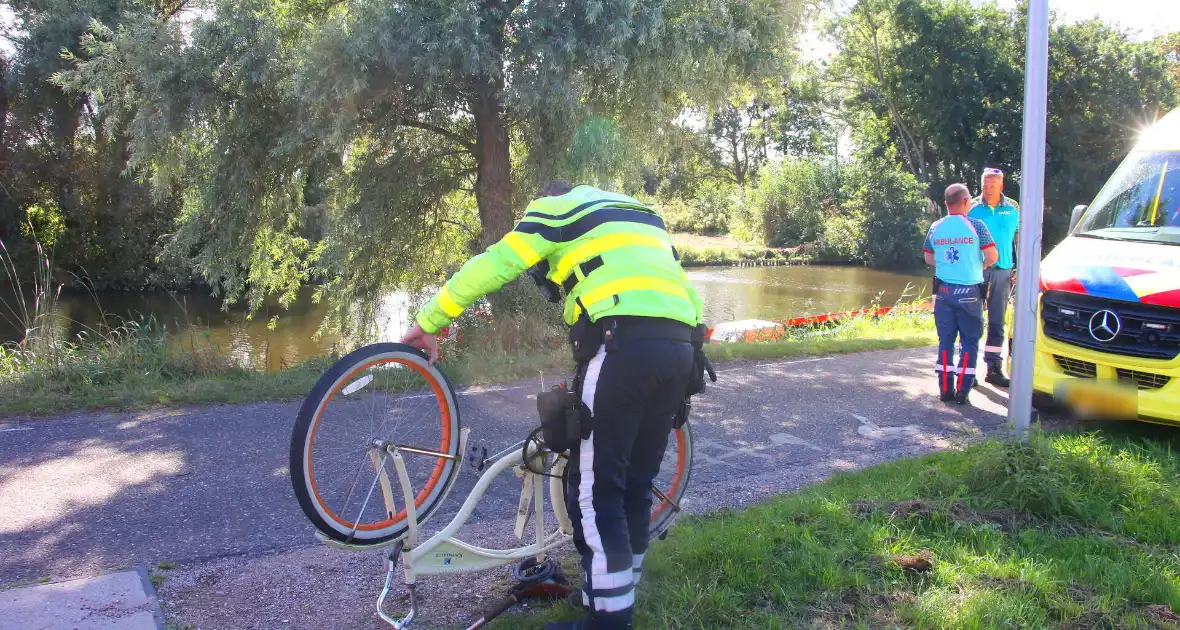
point(633, 394)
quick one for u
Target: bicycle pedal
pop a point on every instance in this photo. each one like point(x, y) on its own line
point(476, 456)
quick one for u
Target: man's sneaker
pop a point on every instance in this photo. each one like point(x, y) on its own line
point(995, 376)
point(961, 397)
point(946, 396)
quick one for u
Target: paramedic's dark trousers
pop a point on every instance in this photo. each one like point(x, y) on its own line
point(958, 314)
point(999, 287)
point(633, 394)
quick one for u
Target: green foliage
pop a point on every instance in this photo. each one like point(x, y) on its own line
point(697, 256)
point(843, 240)
point(868, 211)
point(1169, 46)
point(380, 115)
point(708, 213)
point(941, 82)
point(62, 160)
point(894, 211)
point(789, 207)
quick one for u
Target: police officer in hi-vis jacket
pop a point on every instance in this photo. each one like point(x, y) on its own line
point(631, 303)
point(959, 248)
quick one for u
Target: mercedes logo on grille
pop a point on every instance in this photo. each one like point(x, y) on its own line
point(1105, 326)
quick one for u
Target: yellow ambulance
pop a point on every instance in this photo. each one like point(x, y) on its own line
point(1108, 338)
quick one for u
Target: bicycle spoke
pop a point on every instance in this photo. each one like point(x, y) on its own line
point(355, 479)
point(368, 496)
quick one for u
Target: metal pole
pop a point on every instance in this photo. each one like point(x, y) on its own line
point(1032, 199)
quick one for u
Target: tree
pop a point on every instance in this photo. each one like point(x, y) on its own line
point(808, 118)
point(940, 74)
point(942, 81)
point(1169, 46)
point(738, 139)
point(58, 156)
point(1103, 90)
point(403, 106)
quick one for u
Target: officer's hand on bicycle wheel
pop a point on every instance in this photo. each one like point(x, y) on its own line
point(423, 341)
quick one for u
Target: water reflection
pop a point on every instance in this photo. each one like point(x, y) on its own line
point(783, 292)
point(728, 293)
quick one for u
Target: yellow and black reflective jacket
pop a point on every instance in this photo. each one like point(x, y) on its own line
point(611, 253)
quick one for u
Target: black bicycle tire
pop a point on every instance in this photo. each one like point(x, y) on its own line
point(306, 416)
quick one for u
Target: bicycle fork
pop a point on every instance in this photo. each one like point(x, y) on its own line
point(399, 464)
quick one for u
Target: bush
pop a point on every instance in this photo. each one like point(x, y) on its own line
point(894, 209)
point(513, 321)
point(709, 213)
point(843, 239)
point(788, 207)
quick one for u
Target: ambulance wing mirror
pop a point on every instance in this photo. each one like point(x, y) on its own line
point(1078, 211)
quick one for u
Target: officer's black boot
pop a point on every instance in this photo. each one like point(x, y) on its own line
point(961, 397)
point(995, 375)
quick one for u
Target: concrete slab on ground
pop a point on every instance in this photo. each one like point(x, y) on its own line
point(115, 601)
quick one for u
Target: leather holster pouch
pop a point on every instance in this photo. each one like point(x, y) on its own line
point(585, 338)
point(565, 419)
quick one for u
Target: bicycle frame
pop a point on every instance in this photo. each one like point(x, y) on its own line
point(443, 552)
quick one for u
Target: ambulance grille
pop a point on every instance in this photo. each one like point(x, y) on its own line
point(1143, 330)
point(1076, 368)
point(1143, 380)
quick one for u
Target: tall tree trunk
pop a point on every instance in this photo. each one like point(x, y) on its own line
point(493, 180)
point(493, 183)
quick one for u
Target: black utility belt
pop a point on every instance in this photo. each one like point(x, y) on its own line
point(565, 419)
point(938, 284)
point(613, 332)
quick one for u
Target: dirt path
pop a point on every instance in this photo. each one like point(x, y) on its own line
point(207, 489)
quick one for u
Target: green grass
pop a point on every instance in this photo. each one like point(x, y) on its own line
point(900, 329)
point(138, 366)
point(1076, 530)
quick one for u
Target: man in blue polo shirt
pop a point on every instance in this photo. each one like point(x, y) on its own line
point(960, 249)
point(1001, 215)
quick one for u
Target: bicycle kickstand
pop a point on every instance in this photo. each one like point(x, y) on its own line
point(391, 565)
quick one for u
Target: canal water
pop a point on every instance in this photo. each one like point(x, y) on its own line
point(729, 293)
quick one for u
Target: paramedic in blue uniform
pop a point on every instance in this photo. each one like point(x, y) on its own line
point(959, 248)
point(1001, 215)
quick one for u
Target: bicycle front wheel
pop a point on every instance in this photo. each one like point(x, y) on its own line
point(671, 483)
point(380, 398)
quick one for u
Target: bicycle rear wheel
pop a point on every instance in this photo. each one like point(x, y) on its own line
point(380, 396)
point(670, 485)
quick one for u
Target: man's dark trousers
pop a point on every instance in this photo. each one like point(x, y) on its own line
point(633, 394)
point(958, 314)
point(999, 287)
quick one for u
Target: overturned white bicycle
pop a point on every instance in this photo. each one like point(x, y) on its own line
point(377, 447)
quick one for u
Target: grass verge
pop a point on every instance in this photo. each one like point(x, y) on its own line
point(138, 366)
point(1076, 530)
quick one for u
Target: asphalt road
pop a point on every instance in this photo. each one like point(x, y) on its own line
point(84, 493)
